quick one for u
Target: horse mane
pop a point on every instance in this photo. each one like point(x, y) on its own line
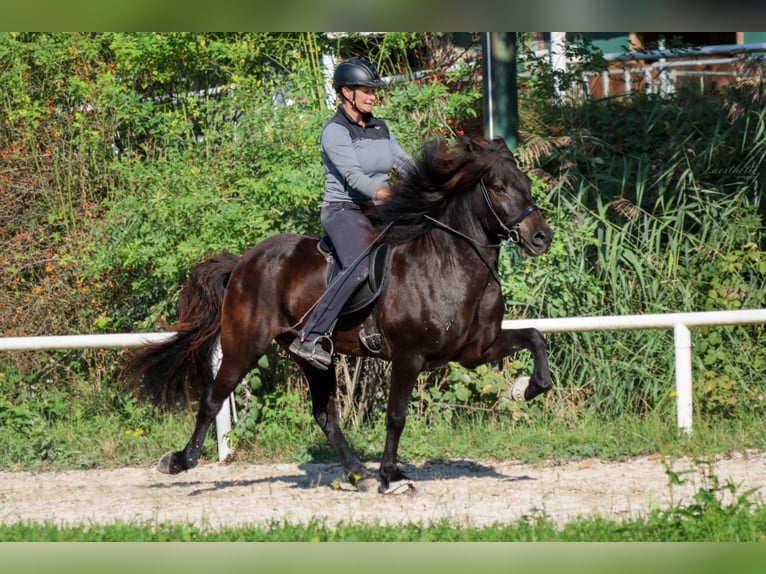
point(437, 184)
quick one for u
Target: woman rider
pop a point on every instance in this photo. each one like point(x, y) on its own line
point(358, 152)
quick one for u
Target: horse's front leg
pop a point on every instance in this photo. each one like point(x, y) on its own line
point(404, 372)
point(511, 341)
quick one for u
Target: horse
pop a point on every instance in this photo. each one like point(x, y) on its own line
point(449, 216)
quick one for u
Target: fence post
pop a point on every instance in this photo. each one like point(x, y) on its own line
point(683, 345)
point(224, 416)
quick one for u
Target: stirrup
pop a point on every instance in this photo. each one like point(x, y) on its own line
point(371, 338)
point(329, 340)
point(307, 350)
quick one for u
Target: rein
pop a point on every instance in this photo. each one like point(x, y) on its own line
point(511, 231)
point(472, 242)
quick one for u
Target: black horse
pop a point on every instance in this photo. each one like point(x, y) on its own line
point(442, 300)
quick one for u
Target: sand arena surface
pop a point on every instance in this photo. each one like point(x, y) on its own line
point(462, 492)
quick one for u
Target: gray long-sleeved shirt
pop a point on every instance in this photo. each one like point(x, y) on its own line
point(358, 160)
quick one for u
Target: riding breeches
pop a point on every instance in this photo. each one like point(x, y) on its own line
point(348, 228)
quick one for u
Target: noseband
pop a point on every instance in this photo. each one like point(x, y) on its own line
point(511, 230)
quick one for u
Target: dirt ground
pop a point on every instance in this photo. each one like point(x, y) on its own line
point(463, 492)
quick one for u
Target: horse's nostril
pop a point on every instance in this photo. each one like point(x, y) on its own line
point(541, 238)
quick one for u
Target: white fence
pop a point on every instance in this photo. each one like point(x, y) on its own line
point(681, 323)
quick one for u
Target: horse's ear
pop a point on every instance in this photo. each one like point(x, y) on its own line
point(468, 144)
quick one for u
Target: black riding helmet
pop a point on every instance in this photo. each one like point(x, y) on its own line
point(355, 71)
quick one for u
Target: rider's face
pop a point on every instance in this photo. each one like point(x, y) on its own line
point(363, 97)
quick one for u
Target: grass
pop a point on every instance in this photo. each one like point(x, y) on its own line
point(552, 430)
point(718, 512)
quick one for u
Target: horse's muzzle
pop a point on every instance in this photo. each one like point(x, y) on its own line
point(535, 237)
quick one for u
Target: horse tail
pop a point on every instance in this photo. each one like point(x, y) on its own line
point(180, 367)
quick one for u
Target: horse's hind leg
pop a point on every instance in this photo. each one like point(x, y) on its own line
point(229, 375)
point(322, 385)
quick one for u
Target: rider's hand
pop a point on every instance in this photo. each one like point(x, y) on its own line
point(383, 194)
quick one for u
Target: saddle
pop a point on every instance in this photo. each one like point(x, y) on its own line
point(368, 292)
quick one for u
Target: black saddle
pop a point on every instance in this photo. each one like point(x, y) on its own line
point(377, 274)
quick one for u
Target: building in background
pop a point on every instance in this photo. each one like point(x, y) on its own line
point(655, 62)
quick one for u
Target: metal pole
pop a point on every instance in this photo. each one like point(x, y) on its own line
point(98, 341)
point(500, 90)
point(223, 418)
point(489, 95)
point(629, 322)
point(683, 344)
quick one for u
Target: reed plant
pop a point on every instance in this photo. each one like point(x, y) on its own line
point(657, 204)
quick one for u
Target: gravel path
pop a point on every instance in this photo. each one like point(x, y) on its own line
point(462, 492)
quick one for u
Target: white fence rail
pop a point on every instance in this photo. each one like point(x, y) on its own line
point(105, 341)
point(681, 323)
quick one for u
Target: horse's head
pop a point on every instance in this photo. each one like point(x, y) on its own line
point(457, 188)
point(506, 192)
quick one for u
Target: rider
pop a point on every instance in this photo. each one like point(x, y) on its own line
point(358, 152)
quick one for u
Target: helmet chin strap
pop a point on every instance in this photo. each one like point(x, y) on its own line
point(352, 101)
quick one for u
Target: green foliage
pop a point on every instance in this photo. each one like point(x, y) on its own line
point(558, 283)
point(445, 103)
point(271, 421)
point(719, 512)
point(44, 425)
point(486, 388)
point(226, 172)
point(657, 207)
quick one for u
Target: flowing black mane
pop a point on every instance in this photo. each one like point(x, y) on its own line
point(439, 184)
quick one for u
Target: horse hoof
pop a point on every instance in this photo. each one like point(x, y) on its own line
point(519, 389)
point(397, 487)
point(366, 484)
point(165, 465)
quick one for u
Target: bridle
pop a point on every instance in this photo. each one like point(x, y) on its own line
point(512, 230)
